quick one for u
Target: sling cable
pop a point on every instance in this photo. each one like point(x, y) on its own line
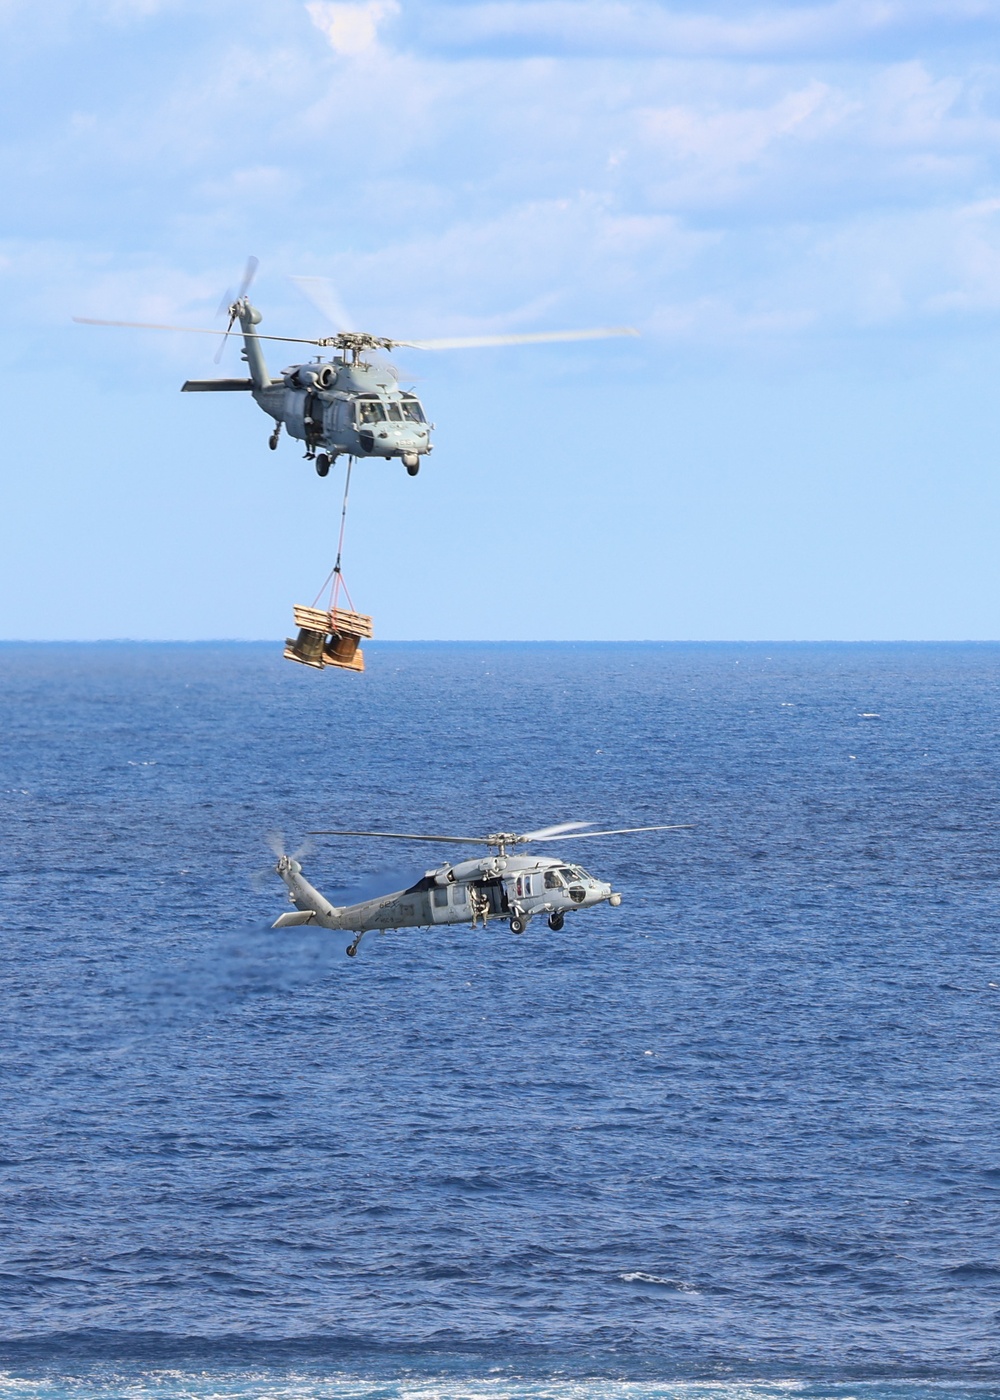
point(331, 636)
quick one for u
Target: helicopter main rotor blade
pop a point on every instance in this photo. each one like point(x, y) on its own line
point(323, 295)
point(407, 836)
point(196, 330)
point(547, 832)
point(623, 831)
point(477, 342)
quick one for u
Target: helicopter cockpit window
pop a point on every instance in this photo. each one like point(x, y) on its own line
point(552, 880)
point(574, 872)
point(413, 412)
point(370, 411)
point(394, 414)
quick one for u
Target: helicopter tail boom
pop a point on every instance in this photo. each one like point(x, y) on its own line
point(249, 317)
point(310, 905)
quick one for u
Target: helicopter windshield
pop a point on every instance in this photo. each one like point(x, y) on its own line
point(392, 409)
point(574, 872)
point(412, 411)
point(371, 411)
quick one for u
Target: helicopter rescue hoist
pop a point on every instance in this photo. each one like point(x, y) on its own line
point(345, 405)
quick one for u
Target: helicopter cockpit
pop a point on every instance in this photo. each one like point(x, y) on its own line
point(373, 410)
point(565, 875)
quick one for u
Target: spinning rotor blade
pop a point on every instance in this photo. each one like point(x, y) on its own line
point(621, 831)
point(248, 273)
point(193, 330)
point(546, 833)
point(323, 295)
point(406, 836)
point(276, 841)
point(476, 342)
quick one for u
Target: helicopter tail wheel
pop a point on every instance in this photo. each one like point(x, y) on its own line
point(322, 464)
point(411, 462)
point(517, 925)
point(556, 922)
point(272, 441)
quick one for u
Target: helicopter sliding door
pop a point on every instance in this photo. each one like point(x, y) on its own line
point(340, 425)
point(497, 896)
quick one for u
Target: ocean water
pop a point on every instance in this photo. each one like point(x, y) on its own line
point(736, 1140)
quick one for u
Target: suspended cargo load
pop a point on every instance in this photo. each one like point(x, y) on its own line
point(328, 638)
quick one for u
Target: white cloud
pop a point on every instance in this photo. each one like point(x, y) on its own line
point(714, 199)
point(646, 27)
point(351, 29)
point(742, 135)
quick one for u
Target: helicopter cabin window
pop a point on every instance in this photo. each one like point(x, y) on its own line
point(458, 894)
point(412, 411)
point(440, 896)
point(370, 411)
point(552, 880)
point(523, 887)
point(395, 416)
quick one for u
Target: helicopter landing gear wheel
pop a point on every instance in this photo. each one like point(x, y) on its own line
point(322, 464)
point(517, 925)
point(351, 950)
point(411, 462)
point(272, 441)
point(556, 922)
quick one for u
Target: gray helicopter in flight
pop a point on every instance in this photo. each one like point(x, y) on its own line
point(344, 404)
point(502, 885)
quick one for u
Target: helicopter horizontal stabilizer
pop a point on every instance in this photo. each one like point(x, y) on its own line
point(289, 920)
point(214, 386)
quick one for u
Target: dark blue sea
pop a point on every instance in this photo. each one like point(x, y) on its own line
point(736, 1140)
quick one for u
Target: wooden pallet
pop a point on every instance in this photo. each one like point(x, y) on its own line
point(337, 620)
point(328, 638)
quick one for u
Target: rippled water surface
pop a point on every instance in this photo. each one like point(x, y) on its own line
point(738, 1138)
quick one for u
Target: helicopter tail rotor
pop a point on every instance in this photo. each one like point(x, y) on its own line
point(276, 841)
point(231, 304)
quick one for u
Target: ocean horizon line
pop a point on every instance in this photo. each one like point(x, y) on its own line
point(521, 641)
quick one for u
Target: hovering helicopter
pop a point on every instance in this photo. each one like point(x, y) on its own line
point(344, 405)
point(505, 886)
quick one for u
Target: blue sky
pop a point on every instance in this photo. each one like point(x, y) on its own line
point(797, 204)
